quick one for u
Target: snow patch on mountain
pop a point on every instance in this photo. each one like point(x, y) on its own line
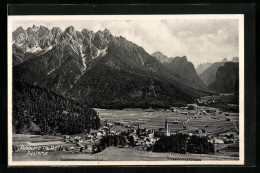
point(48, 48)
point(34, 49)
point(73, 49)
point(101, 53)
point(83, 58)
point(45, 50)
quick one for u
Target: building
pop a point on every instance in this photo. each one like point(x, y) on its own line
point(218, 141)
point(99, 134)
point(184, 113)
point(159, 132)
point(211, 110)
point(199, 131)
point(173, 109)
point(228, 119)
point(167, 132)
point(192, 106)
point(78, 139)
point(175, 122)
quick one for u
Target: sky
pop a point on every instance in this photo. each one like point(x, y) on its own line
point(200, 40)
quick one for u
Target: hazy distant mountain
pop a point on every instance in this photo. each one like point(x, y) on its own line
point(161, 57)
point(102, 70)
point(202, 67)
point(227, 78)
point(209, 75)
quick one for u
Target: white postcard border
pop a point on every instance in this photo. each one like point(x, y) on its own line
point(240, 18)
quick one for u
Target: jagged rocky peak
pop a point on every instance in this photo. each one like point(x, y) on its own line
point(71, 31)
point(79, 35)
point(88, 34)
point(19, 30)
point(43, 31)
point(56, 32)
point(180, 59)
point(158, 53)
point(106, 32)
point(19, 35)
point(102, 38)
point(161, 57)
point(32, 29)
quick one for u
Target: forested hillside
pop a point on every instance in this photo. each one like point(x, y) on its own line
point(41, 111)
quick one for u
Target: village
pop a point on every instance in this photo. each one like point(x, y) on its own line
point(142, 138)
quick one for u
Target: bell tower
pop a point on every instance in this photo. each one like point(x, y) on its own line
point(167, 132)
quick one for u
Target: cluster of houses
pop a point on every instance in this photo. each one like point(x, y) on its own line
point(225, 138)
point(199, 110)
point(206, 101)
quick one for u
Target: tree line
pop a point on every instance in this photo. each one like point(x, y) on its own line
point(115, 140)
point(181, 143)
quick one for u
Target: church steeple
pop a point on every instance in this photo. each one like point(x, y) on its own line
point(167, 132)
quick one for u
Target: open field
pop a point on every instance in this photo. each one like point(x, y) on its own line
point(212, 124)
point(145, 119)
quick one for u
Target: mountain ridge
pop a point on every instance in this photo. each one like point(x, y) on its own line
point(181, 68)
point(75, 62)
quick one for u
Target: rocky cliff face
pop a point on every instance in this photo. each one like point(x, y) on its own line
point(186, 71)
point(227, 78)
point(183, 70)
point(209, 75)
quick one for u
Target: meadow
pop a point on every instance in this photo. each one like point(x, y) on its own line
point(213, 124)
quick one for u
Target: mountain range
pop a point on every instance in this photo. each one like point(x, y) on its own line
point(101, 70)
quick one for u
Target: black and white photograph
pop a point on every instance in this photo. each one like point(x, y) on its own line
point(126, 90)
